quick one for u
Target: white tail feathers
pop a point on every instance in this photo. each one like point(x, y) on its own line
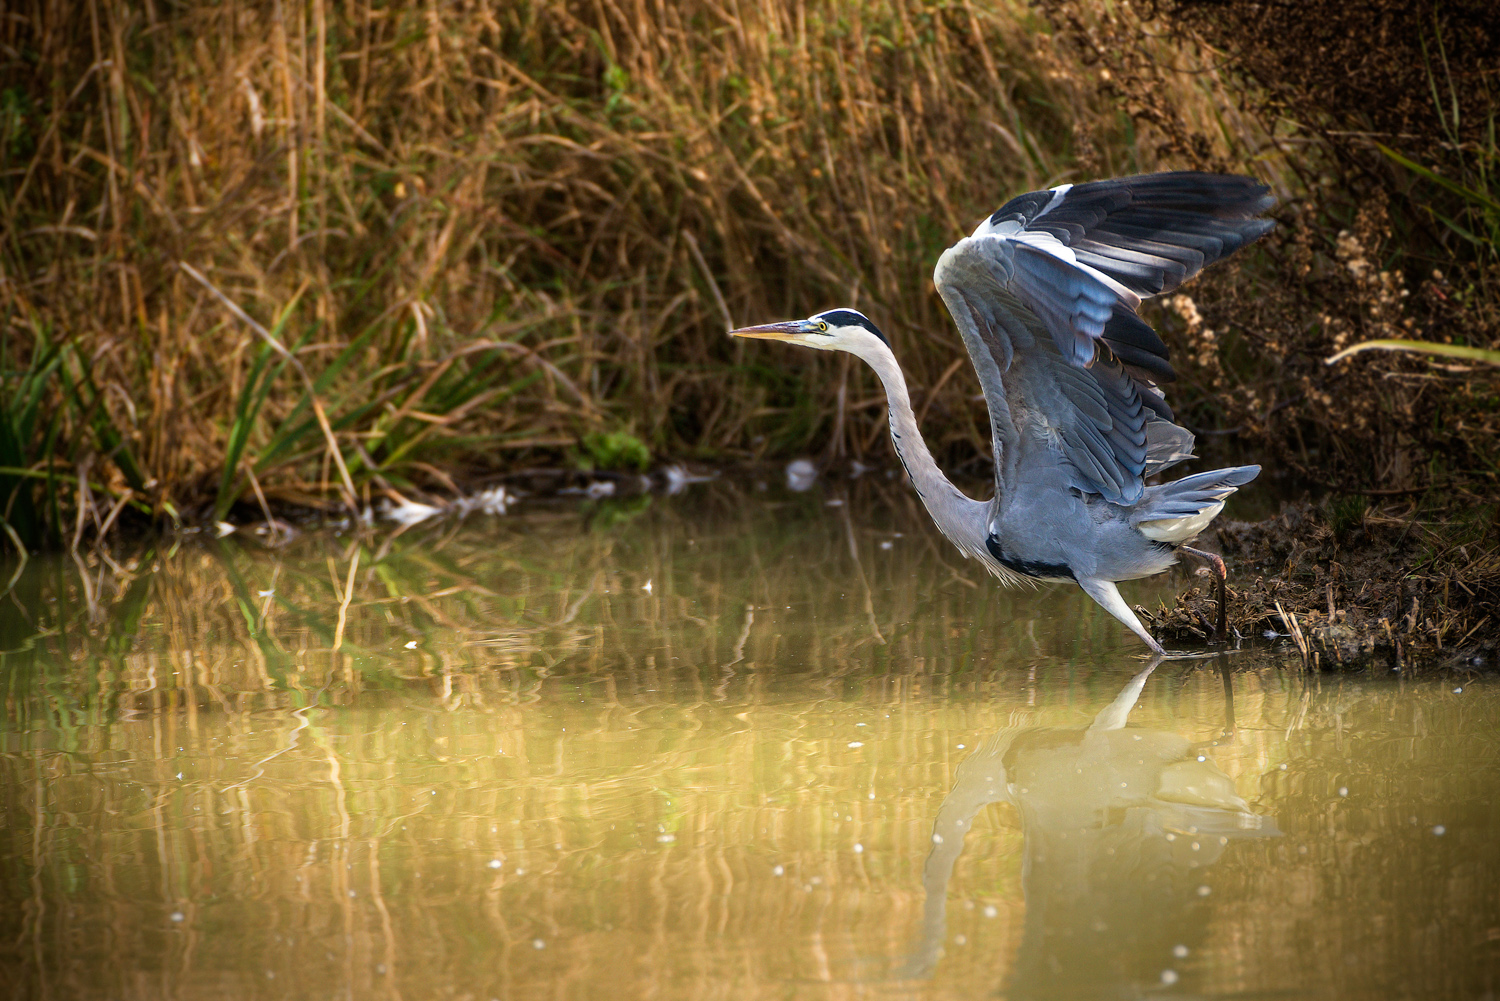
point(1177, 530)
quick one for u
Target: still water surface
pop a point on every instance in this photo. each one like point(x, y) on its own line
point(733, 745)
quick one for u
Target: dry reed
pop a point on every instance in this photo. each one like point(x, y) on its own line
point(565, 204)
point(321, 251)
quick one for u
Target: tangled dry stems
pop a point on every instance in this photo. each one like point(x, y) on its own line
point(1361, 253)
point(606, 188)
point(491, 232)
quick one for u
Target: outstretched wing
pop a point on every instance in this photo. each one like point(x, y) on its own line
point(1045, 293)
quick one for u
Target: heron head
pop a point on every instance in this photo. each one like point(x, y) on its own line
point(831, 330)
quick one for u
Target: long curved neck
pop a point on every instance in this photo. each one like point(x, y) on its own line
point(958, 516)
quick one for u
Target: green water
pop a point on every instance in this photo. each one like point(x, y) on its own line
point(736, 744)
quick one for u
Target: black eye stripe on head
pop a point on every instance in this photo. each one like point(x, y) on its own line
point(851, 318)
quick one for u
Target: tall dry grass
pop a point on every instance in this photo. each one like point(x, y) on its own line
point(478, 232)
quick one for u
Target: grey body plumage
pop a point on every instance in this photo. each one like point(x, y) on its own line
point(1045, 293)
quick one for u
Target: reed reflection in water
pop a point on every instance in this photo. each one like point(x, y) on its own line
point(640, 752)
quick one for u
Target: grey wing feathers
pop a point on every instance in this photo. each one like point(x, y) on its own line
point(1094, 250)
point(1076, 262)
point(1109, 427)
point(1137, 345)
point(1075, 305)
point(1150, 232)
point(1106, 441)
point(1166, 446)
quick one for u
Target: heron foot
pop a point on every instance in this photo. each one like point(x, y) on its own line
point(1215, 562)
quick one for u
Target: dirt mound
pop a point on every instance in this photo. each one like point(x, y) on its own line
point(1353, 587)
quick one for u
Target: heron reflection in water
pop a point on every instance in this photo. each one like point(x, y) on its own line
point(1045, 294)
point(1119, 824)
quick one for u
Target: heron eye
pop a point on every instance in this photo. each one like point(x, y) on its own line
point(823, 326)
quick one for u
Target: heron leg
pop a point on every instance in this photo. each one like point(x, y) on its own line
point(1221, 576)
point(1117, 713)
point(1108, 597)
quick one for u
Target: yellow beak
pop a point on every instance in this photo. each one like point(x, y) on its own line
point(786, 330)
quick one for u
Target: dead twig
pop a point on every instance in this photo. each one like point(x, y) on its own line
point(1294, 629)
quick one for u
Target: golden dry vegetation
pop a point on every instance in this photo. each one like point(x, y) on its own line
point(265, 252)
point(486, 231)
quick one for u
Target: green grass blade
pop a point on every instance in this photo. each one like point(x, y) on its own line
point(1420, 347)
point(247, 410)
point(1467, 193)
point(94, 414)
point(290, 431)
point(239, 432)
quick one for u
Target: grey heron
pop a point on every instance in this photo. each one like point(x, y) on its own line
point(1093, 807)
point(1045, 294)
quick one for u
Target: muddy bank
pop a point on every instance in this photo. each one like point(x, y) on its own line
point(1346, 587)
